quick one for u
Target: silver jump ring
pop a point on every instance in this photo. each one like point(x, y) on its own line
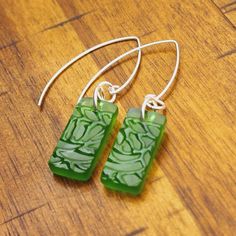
point(113, 89)
point(154, 102)
point(99, 89)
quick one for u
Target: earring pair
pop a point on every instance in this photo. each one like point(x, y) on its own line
point(86, 134)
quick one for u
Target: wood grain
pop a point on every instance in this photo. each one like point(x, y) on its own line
point(191, 188)
point(228, 9)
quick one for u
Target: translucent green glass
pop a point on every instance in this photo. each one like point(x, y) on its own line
point(83, 140)
point(133, 151)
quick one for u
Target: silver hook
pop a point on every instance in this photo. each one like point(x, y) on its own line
point(94, 78)
point(151, 100)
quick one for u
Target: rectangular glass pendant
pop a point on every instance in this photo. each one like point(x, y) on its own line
point(83, 139)
point(133, 151)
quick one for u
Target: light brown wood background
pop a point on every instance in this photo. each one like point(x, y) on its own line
point(191, 189)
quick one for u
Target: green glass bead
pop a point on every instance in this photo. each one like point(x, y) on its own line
point(83, 139)
point(133, 151)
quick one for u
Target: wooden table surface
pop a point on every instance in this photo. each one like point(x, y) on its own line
point(191, 188)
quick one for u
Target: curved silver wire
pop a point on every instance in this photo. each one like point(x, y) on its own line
point(86, 52)
point(151, 100)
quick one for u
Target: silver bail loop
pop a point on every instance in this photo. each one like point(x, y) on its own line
point(98, 93)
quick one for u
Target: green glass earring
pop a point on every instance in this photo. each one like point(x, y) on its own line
point(83, 140)
point(135, 147)
point(137, 141)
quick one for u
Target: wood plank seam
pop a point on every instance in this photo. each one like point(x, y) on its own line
point(229, 7)
point(23, 214)
point(224, 14)
point(14, 42)
point(71, 19)
point(137, 231)
point(228, 53)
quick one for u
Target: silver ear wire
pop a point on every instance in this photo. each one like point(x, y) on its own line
point(154, 101)
point(151, 100)
point(94, 78)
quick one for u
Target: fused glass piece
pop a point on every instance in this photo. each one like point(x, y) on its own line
point(83, 139)
point(133, 151)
